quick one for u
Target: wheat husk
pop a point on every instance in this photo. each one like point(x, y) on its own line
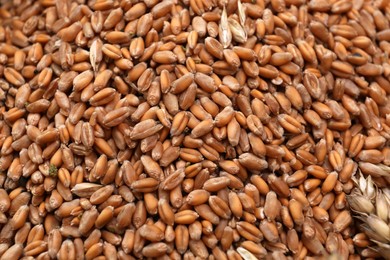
point(370, 205)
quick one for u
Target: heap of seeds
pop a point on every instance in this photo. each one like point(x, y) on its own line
point(193, 129)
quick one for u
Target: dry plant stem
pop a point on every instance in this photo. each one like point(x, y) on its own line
point(194, 129)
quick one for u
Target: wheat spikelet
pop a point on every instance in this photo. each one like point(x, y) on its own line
point(370, 204)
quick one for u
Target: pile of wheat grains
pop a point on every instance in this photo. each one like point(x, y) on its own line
point(194, 129)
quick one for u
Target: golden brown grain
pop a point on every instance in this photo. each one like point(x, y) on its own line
point(194, 129)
